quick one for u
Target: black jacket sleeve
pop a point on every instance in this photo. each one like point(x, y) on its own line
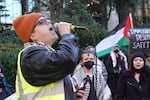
point(121, 88)
point(40, 66)
point(112, 71)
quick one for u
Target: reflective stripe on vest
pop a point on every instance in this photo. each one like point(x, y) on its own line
point(25, 91)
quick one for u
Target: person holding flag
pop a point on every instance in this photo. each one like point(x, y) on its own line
point(115, 64)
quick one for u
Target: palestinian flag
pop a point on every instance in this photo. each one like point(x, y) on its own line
point(119, 36)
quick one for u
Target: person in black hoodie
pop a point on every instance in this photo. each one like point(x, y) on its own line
point(134, 84)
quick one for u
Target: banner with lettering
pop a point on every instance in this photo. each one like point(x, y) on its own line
point(139, 40)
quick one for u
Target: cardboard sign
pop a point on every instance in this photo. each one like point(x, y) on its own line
point(139, 40)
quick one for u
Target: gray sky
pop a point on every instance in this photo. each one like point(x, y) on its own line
point(14, 10)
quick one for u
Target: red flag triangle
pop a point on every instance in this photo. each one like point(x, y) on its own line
point(128, 24)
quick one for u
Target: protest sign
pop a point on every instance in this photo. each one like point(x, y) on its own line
point(139, 40)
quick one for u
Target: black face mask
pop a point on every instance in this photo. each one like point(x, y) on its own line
point(88, 64)
point(138, 70)
point(116, 51)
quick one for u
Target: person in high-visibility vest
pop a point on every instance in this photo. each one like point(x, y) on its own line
point(41, 69)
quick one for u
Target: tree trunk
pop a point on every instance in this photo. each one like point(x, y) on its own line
point(24, 6)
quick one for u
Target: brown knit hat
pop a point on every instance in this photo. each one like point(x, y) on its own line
point(24, 25)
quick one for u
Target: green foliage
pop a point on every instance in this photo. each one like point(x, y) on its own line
point(76, 13)
point(10, 45)
point(91, 36)
point(9, 36)
point(145, 25)
point(8, 60)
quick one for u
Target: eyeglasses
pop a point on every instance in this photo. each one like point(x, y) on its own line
point(41, 22)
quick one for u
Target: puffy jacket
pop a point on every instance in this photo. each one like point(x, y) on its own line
point(41, 66)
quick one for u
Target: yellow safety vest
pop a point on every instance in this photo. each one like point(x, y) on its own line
point(25, 91)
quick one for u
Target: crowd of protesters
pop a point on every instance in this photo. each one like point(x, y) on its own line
point(45, 73)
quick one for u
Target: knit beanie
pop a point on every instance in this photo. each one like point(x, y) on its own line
point(138, 54)
point(24, 25)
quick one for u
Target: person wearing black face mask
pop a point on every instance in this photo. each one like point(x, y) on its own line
point(134, 84)
point(88, 64)
point(96, 88)
point(116, 51)
point(115, 64)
